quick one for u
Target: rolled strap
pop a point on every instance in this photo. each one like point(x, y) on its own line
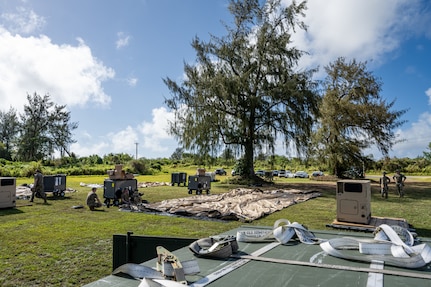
point(284, 231)
point(215, 247)
point(388, 247)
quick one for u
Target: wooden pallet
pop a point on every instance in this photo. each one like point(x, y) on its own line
point(371, 226)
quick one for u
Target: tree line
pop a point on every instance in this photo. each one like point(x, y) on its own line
point(42, 129)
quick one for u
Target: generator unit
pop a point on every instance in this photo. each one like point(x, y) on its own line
point(112, 186)
point(117, 181)
point(354, 201)
point(7, 192)
point(55, 184)
point(199, 183)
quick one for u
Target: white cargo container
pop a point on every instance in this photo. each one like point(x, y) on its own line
point(354, 201)
point(7, 192)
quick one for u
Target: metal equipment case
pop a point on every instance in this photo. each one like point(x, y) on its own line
point(354, 201)
point(118, 180)
point(199, 183)
point(178, 178)
point(110, 186)
point(55, 184)
point(7, 192)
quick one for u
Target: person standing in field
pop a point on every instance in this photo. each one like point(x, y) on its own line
point(93, 201)
point(384, 181)
point(38, 187)
point(399, 179)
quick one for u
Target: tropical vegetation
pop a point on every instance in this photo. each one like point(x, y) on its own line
point(58, 245)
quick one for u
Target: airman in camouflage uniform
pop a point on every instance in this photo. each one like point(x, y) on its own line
point(38, 187)
point(93, 200)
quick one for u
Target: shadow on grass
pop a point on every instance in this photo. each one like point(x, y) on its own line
point(57, 198)
point(9, 211)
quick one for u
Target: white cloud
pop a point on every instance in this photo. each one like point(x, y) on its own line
point(122, 41)
point(417, 138)
point(114, 142)
point(362, 29)
point(24, 21)
point(132, 81)
point(151, 139)
point(156, 137)
point(70, 74)
point(123, 141)
point(428, 93)
point(82, 148)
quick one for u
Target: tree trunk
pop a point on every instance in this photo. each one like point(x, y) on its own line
point(248, 159)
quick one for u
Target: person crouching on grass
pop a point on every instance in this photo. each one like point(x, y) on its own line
point(93, 200)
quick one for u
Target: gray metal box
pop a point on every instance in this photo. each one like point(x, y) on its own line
point(178, 178)
point(199, 183)
point(111, 185)
point(55, 184)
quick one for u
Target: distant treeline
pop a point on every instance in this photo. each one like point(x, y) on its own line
point(96, 165)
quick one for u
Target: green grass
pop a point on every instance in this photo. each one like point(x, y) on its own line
point(56, 245)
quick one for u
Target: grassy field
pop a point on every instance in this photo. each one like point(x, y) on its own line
point(56, 245)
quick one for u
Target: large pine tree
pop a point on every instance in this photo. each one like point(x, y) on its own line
point(245, 89)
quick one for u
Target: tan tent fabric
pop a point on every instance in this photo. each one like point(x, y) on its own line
point(237, 204)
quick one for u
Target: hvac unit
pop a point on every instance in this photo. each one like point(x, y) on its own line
point(7, 192)
point(354, 201)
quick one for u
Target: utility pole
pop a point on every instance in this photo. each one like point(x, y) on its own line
point(136, 150)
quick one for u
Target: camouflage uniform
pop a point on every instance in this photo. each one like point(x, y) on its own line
point(384, 181)
point(38, 186)
point(125, 197)
point(399, 179)
point(93, 200)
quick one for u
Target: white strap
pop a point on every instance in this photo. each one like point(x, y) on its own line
point(138, 271)
point(190, 267)
point(147, 282)
point(232, 266)
point(285, 233)
point(255, 235)
point(394, 252)
point(216, 247)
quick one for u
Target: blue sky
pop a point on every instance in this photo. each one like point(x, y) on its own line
point(105, 59)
